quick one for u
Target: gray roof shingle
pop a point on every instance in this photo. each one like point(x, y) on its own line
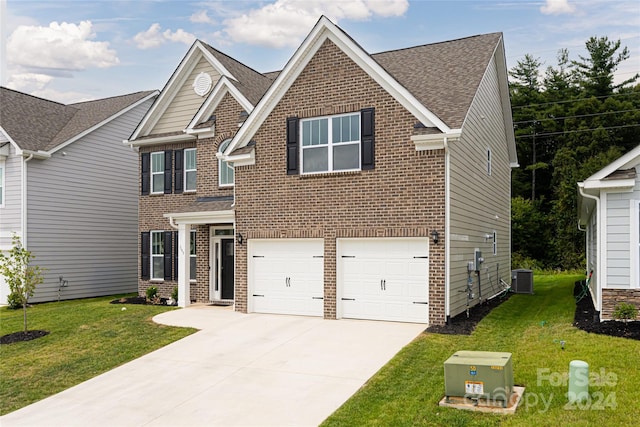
point(39, 124)
point(444, 76)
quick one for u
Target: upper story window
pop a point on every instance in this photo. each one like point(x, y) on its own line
point(225, 171)
point(330, 144)
point(157, 172)
point(190, 169)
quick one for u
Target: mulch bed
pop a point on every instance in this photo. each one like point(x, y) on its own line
point(22, 336)
point(138, 300)
point(586, 319)
point(463, 325)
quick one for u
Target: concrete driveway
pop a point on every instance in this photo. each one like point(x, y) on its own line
point(240, 369)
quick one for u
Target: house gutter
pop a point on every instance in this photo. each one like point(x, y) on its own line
point(600, 244)
point(447, 232)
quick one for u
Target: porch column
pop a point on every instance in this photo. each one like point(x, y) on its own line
point(184, 289)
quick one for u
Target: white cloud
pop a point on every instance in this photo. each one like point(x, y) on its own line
point(61, 46)
point(286, 22)
point(153, 37)
point(28, 82)
point(201, 17)
point(557, 7)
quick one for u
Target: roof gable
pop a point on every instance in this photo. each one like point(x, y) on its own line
point(36, 124)
point(388, 71)
point(249, 82)
point(627, 161)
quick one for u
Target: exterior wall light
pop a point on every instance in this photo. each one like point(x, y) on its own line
point(435, 236)
point(239, 238)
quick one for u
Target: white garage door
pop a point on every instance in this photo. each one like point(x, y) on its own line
point(384, 279)
point(286, 276)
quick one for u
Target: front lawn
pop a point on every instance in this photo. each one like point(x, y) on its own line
point(87, 337)
point(406, 391)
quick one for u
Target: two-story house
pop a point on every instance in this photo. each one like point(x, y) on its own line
point(65, 190)
point(346, 185)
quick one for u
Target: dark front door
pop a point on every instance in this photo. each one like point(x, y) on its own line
point(227, 268)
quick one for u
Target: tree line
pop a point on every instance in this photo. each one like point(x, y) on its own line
point(571, 119)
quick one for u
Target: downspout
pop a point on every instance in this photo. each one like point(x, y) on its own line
point(599, 243)
point(172, 224)
point(447, 246)
point(24, 200)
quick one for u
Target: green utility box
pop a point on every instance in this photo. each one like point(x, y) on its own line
point(479, 375)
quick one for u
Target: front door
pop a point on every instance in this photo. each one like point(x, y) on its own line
point(226, 266)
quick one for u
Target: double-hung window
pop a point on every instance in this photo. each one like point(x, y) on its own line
point(192, 257)
point(225, 170)
point(190, 169)
point(330, 144)
point(157, 255)
point(157, 172)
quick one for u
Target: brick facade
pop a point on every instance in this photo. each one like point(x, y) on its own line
point(153, 207)
point(403, 196)
point(612, 297)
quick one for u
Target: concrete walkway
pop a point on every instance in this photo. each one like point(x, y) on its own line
point(239, 370)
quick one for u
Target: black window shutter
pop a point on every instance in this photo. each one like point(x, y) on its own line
point(145, 168)
point(168, 255)
point(292, 146)
point(178, 185)
point(168, 161)
point(145, 248)
point(175, 255)
point(367, 137)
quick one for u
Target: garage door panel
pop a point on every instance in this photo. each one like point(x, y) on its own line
point(287, 276)
point(384, 279)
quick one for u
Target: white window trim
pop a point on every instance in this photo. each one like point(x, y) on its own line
point(224, 144)
point(152, 173)
point(3, 184)
point(329, 145)
point(193, 235)
point(190, 170)
point(489, 156)
point(151, 255)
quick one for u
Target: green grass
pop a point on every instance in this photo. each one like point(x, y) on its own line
point(87, 337)
point(407, 390)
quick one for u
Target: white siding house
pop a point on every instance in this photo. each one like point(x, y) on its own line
point(609, 213)
point(66, 191)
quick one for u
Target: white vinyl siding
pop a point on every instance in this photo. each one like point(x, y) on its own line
point(190, 169)
point(11, 210)
point(186, 102)
point(86, 228)
point(225, 170)
point(330, 144)
point(157, 172)
point(157, 255)
point(618, 240)
point(479, 203)
point(2, 181)
point(635, 243)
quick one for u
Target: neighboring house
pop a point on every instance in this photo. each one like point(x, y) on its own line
point(347, 185)
point(609, 211)
point(65, 190)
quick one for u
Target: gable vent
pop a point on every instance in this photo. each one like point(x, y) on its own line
point(202, 84)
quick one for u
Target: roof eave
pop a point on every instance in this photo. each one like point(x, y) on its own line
point(159, 140)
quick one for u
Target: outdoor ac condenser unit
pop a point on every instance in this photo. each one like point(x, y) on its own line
point(479, 375)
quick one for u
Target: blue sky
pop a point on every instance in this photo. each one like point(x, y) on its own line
point(71, 51)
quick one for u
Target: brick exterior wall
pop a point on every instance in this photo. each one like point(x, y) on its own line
point(403, 196)
point(153, 207)
point(612, 297)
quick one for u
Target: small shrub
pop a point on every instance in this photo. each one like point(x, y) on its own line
point(174, 294)
point(152, 293)
point(625, 312)
point(14, 301)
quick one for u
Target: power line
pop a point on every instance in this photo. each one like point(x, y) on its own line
point(577, 116)
point(574, 100)
point(576, 131)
